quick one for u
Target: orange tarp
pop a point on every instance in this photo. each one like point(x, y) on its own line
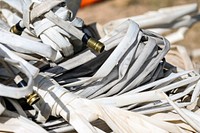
point(88, 2)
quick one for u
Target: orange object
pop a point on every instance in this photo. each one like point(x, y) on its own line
point(88, 2)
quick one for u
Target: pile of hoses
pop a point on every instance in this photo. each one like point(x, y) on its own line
point(50, 66)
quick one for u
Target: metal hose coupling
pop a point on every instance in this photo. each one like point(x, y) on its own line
point(31, 98)
point(17, 29)
point(93, 43)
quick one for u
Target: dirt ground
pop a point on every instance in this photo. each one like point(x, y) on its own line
point(107, 10)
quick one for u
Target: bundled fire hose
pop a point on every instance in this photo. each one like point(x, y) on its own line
point(128, 85)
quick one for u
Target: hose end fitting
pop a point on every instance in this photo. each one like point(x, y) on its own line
point(17, 29)
point(95, 45)
point(32, 98)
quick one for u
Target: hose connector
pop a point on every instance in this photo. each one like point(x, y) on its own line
point(32, 98)
point(93, 43)
point(17, 29)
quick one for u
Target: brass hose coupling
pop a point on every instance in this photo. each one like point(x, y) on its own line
point(17, 29)
point(93, 43)
point(31, 98)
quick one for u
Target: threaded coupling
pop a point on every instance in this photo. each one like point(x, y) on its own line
point(32, 98)
point(14, 30)
point(95, 45)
